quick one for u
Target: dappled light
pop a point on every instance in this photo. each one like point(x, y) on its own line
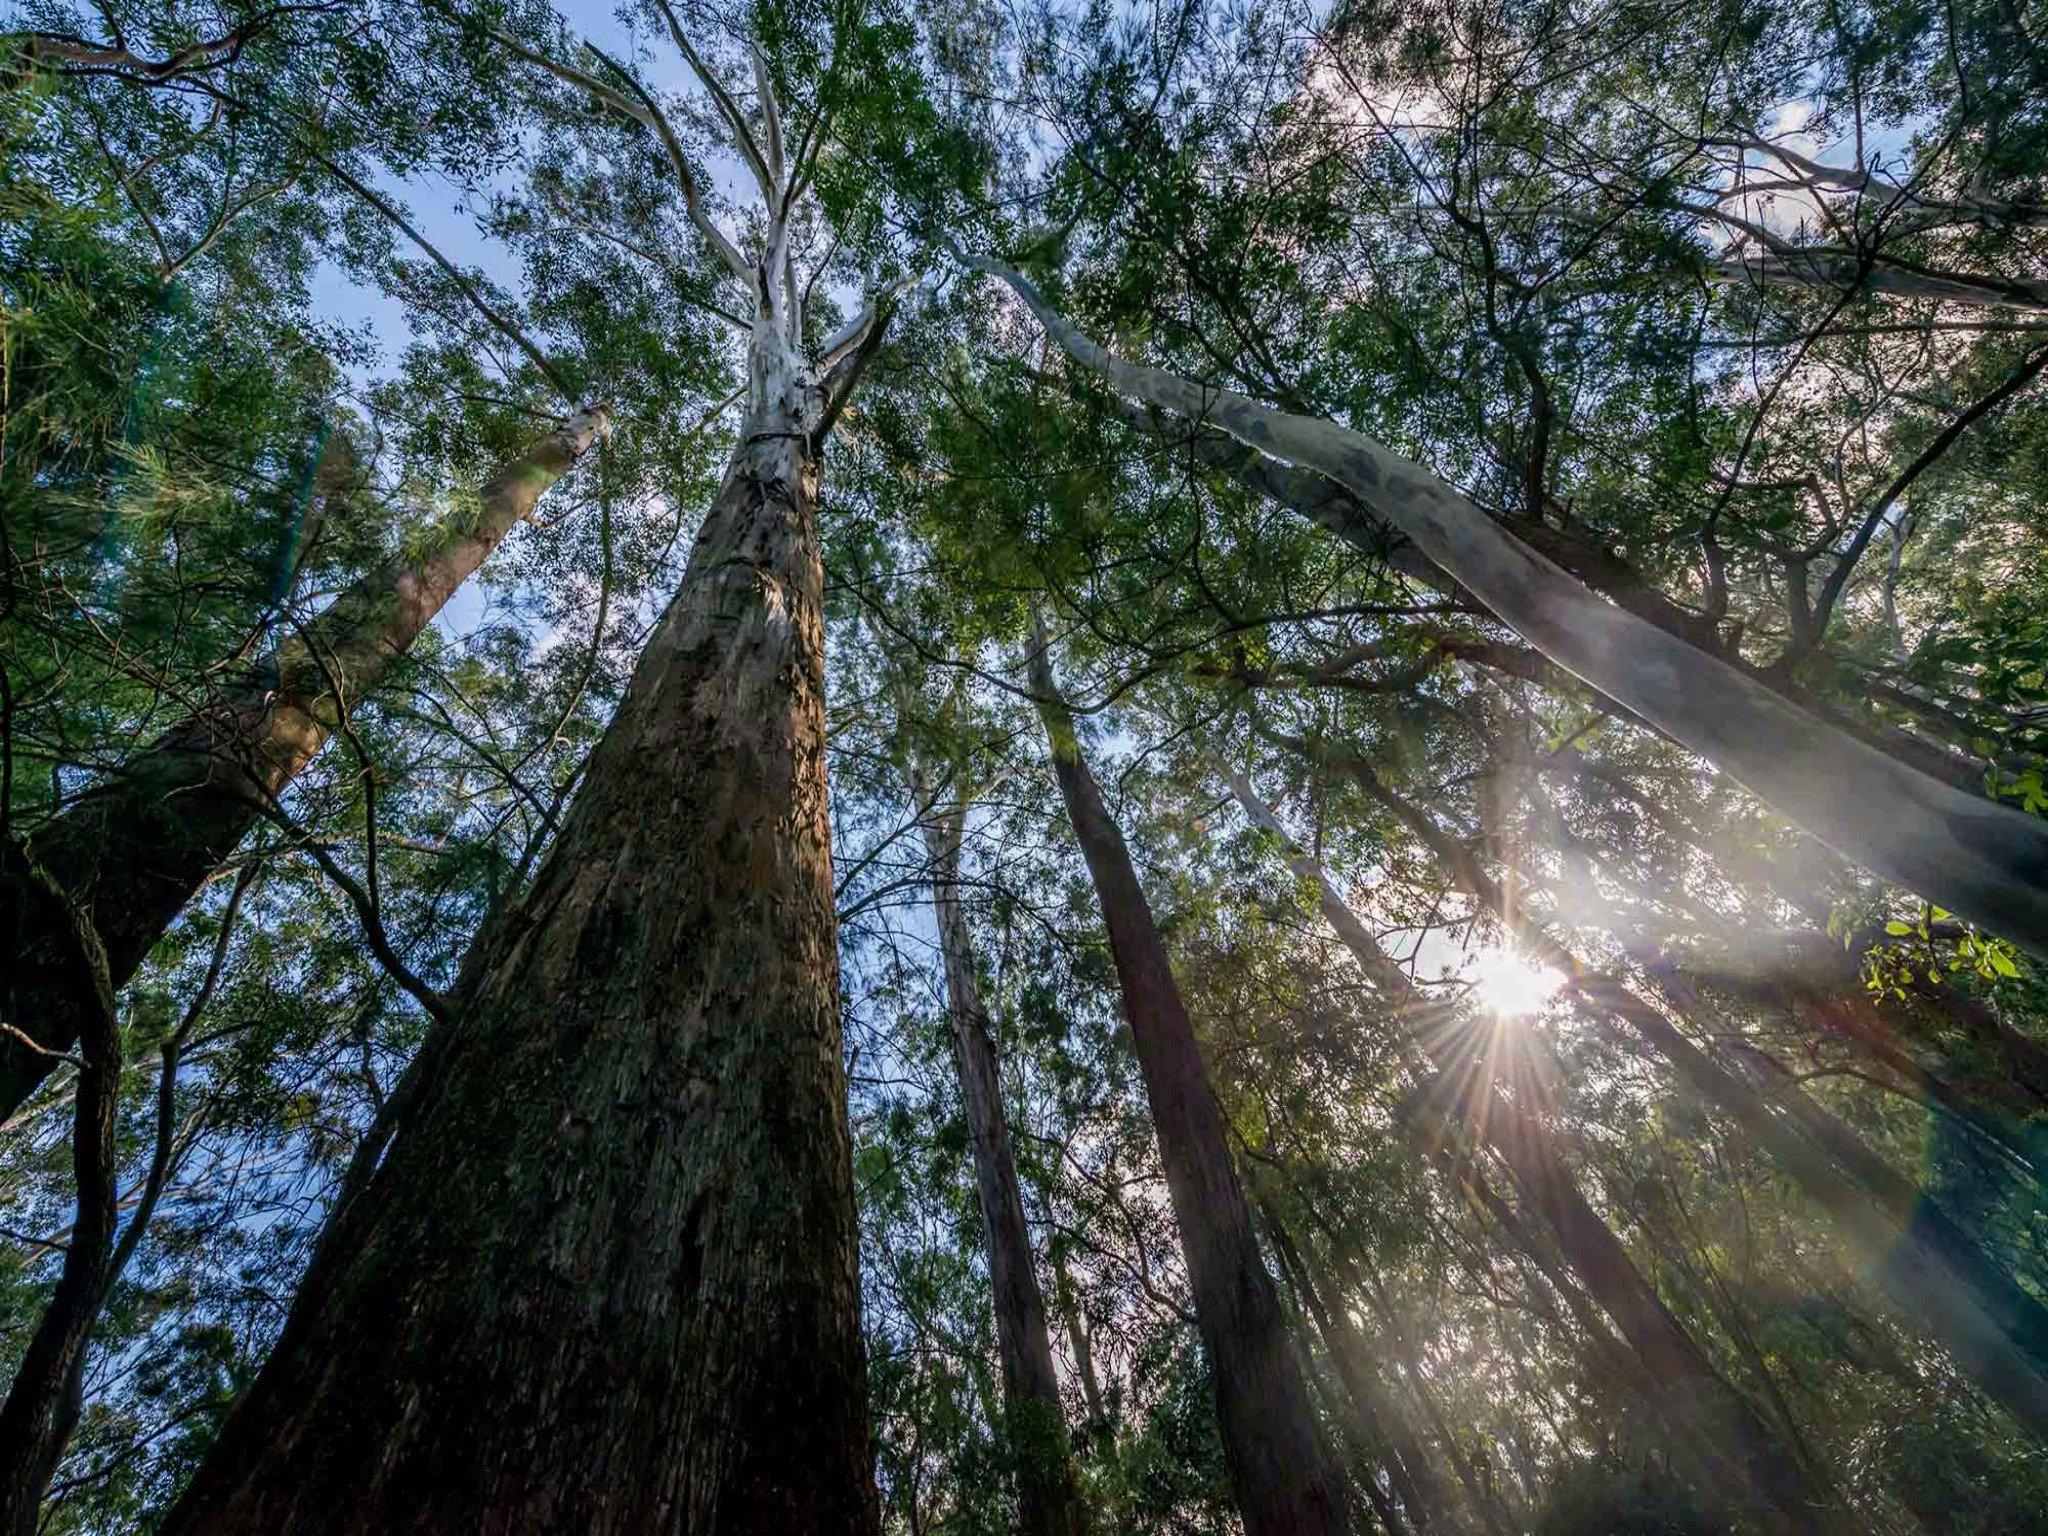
point(855, 768)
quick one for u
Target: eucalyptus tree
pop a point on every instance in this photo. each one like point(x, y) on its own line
point(1279, 1464)
point(664, 1303)
point(1709, 1418)
point(1049, 1500)
point(1141, 177)
point(1985, 860)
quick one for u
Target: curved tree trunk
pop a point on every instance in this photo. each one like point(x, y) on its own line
point(1322, 500)
point(604, 1280)
point(1985, 861)
point(1048, 1498)
point(1279, 1468)
point(137, 848)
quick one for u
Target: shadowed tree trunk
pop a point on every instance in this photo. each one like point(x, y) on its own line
point(1379, 1430)
point(44, 1399)
point(603, 1280)
point(1710, 1416)
point(1985, 861)
point(1279, 1468)
point(135, 849)
point(1048, 1499)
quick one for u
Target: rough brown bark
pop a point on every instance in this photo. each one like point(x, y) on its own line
point(43, 1400)
point(1049, 1500)
point(135, 849)
point(1711, 1417)
point(1279, 1467)
point(604, 1280)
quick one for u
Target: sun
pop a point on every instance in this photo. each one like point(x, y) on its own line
point(1509, 986)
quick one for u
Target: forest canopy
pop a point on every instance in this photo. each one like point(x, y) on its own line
point(1067, 768)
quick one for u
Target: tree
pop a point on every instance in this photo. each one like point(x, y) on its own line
point(1605, 1151)
point(617, 1199)
point(134, 850)
point(1278, 1465)
point(1984, 860)
point(1048, 1499)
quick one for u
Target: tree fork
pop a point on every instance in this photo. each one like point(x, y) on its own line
point(1985, 861)
point(135, 849)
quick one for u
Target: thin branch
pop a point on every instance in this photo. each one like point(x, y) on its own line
point(643, 111)
point(76, 55)
point(1831, 591)
point(743, 139)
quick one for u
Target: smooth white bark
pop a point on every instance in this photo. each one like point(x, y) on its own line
point(1984, 861)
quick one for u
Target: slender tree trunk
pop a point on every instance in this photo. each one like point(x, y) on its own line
point(1099, 1421)
point(1279, 1468)
point(604, 1280)
point(1048, 1498)
point(1986, 861)
point(47, 1394)
point(135, 849)
point(1709, 1414)
point(44, 1399)
point(1378, 1427)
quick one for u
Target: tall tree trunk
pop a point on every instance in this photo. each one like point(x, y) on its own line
point(135, 849)
point(1986, 861)
point(604, 1280)
point(44, 1399)
point(1940, 1278)
point(1279, 1467)
point(1708, 1413)
point(1323, 500)
point(1048, 1498)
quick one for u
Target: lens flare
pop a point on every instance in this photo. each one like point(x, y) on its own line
point(1510, 987)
